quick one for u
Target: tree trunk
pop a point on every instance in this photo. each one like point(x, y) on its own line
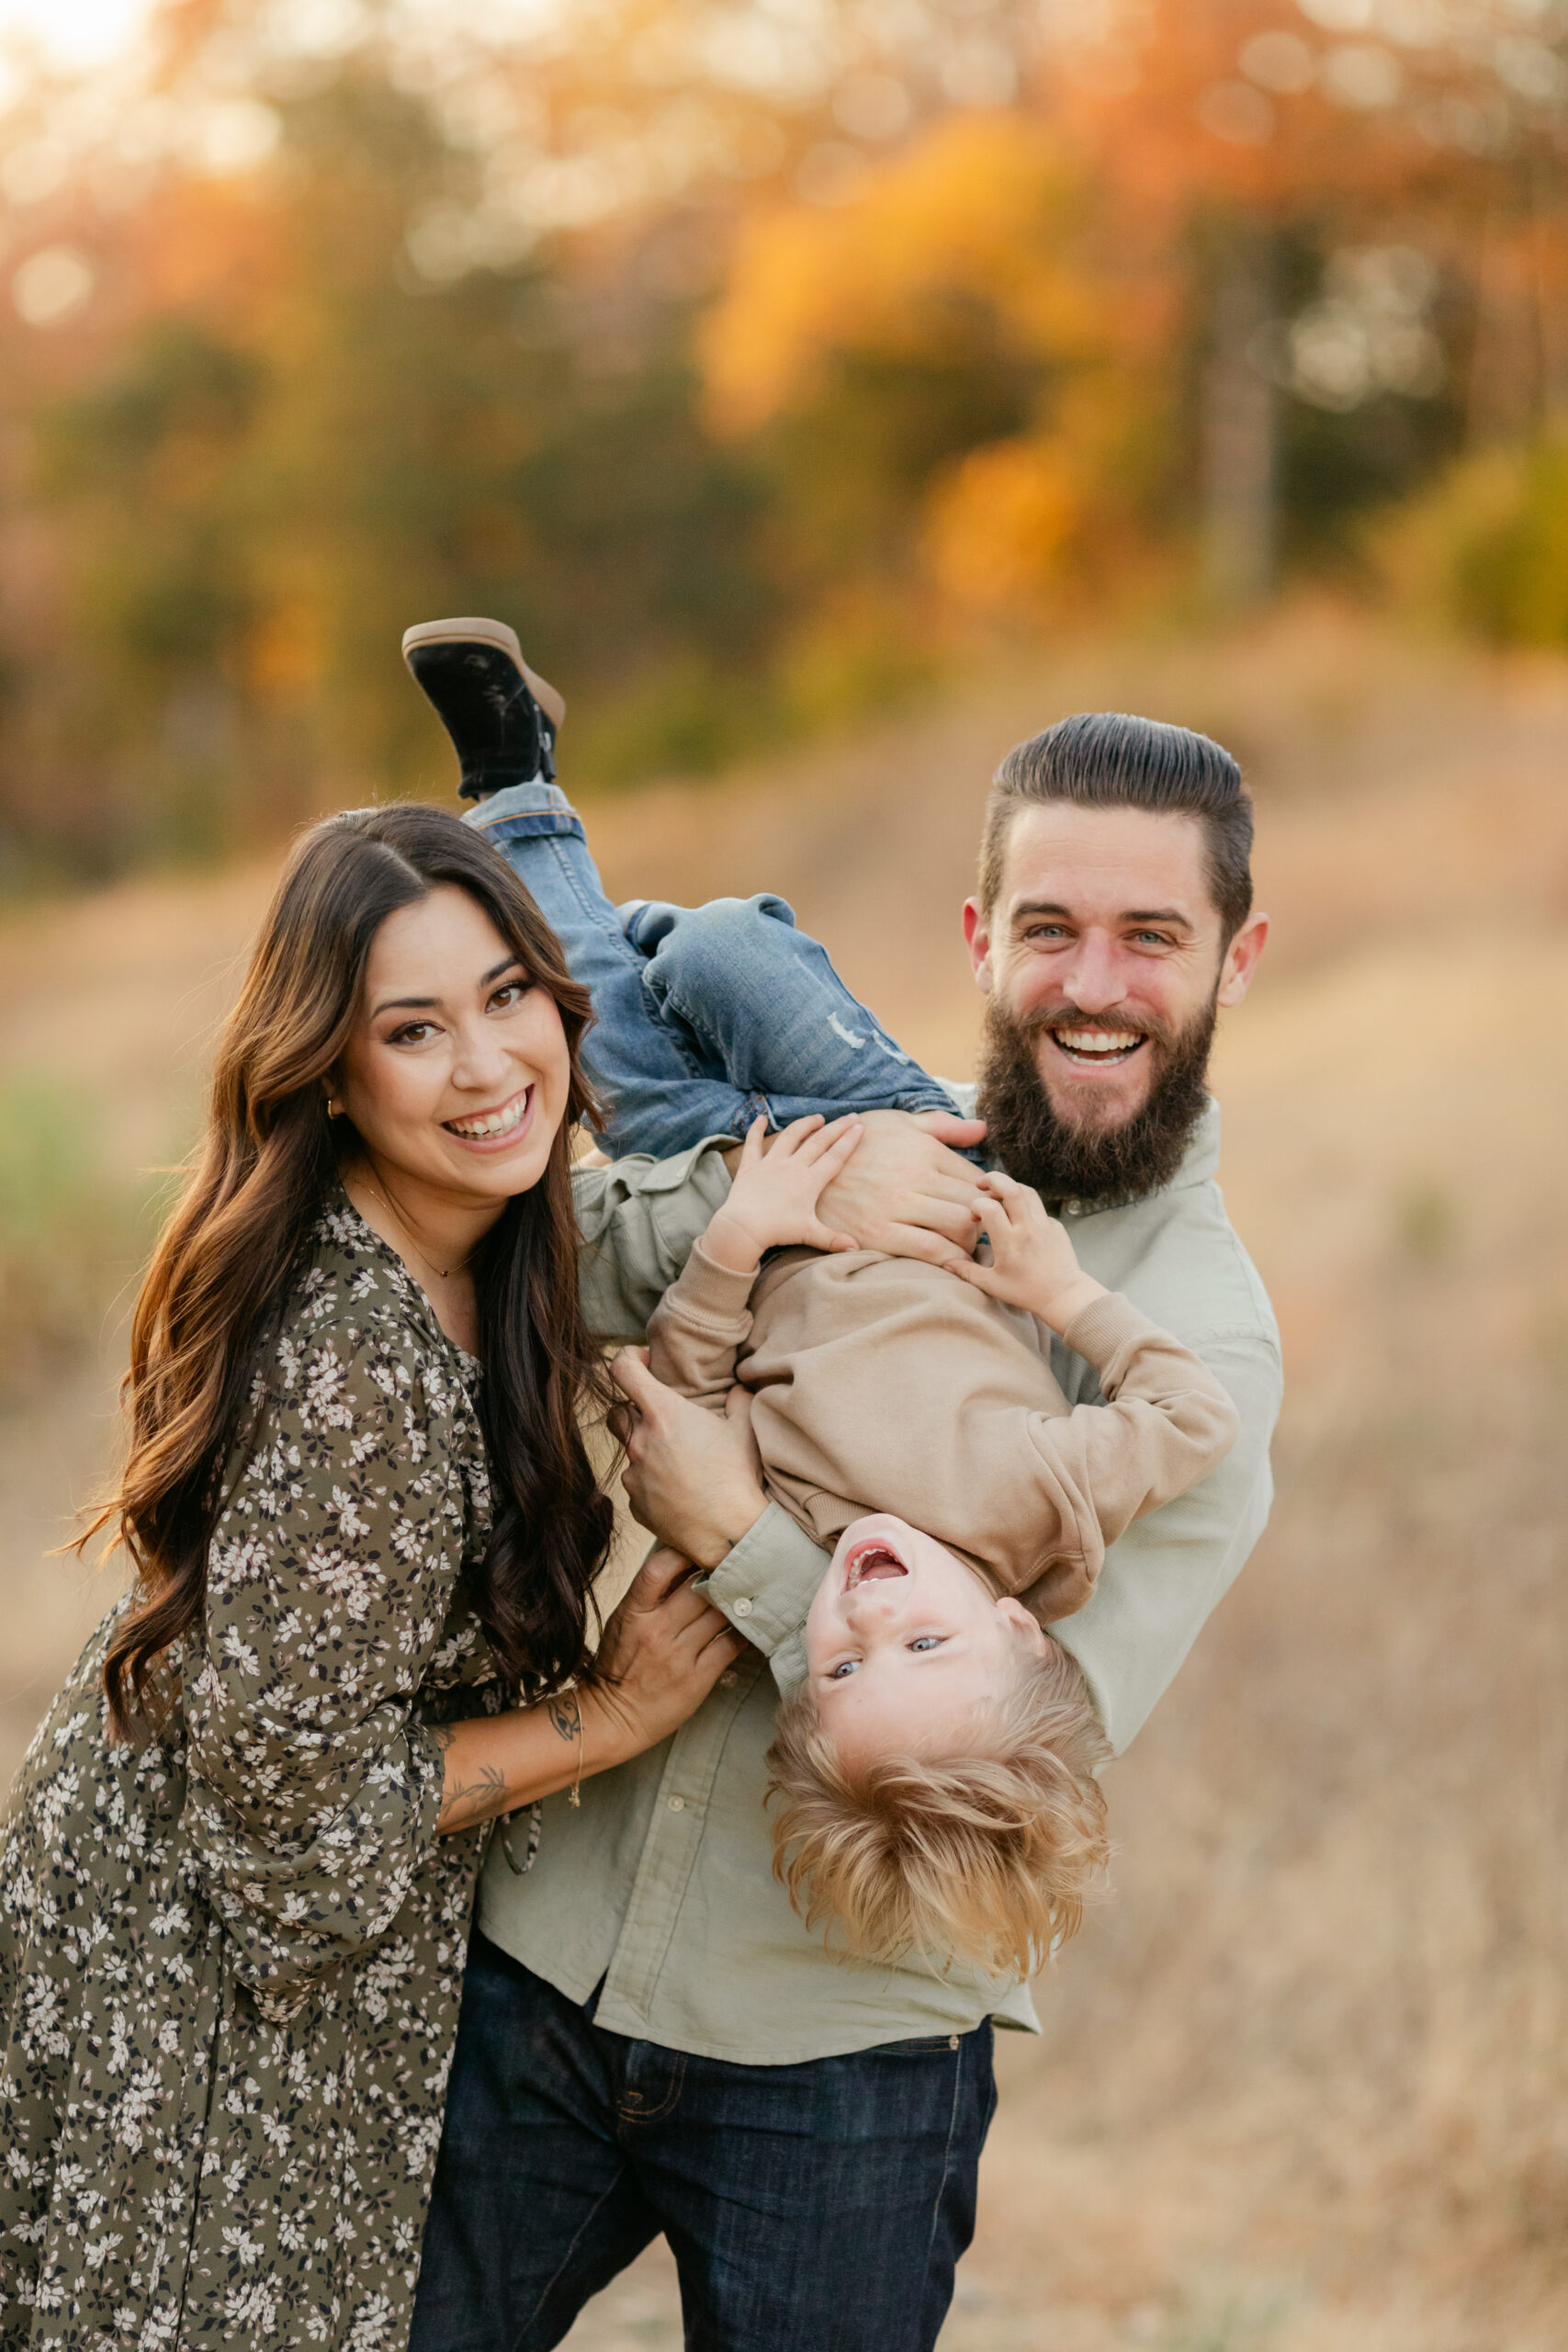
point(1238, 429)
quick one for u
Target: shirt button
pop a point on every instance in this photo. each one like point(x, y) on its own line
point(677, 1804)
point(1071, 1208)
point(743, 1609)
point(728, 1681)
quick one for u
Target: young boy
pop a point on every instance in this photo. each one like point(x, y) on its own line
point(936, 1772)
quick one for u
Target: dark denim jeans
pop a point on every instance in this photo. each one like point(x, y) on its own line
point(817, 2207)
point(704, 1016)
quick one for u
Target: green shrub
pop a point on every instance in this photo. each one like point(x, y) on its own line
point(681, 719)
point(71, 1241)
point(1487, 548)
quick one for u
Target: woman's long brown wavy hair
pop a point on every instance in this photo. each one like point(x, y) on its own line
point(222, 1269)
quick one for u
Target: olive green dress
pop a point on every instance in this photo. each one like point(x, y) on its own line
point(230, 1961)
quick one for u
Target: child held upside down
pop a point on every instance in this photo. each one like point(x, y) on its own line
point(936, 1773)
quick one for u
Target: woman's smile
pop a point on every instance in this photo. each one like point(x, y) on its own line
point(495, 1130)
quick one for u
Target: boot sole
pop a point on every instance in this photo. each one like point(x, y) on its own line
point(480, 631)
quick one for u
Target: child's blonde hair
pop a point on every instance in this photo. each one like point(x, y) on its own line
point(987, 1855)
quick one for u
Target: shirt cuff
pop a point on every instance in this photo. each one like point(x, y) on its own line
point(788, 1664)
point(766, 1584)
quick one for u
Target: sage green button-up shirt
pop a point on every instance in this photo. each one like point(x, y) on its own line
point(659, 1889)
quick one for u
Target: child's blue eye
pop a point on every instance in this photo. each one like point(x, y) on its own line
point(845, 1665)
point(928, 1642)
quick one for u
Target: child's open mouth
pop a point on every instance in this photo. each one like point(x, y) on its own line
point(870, 1560)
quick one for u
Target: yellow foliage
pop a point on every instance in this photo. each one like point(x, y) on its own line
point(983, 207)
point(999, 522)
point(287, 653)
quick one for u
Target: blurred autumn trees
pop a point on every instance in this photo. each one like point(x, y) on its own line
point(753, 359)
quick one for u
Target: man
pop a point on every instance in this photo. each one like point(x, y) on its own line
point(650, 2039)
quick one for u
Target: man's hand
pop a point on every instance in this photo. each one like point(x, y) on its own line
point(693, 1477)
point(905, 1191)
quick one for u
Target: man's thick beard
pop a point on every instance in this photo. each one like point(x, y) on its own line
point(1036, 1147)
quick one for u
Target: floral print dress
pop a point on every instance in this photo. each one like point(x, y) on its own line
point(230, 1961)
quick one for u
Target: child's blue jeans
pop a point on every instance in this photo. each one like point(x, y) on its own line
point(705, 1016)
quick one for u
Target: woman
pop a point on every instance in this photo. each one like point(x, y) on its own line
point(237, 1871)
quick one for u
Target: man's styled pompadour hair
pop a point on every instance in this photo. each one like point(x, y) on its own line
point(987, 1856)
point(1104, 759)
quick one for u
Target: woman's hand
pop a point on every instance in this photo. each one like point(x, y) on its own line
point(772, 1200)
point(663, 1652)
point(693, 1477)
point(905, 1191)
point(1033, 1264)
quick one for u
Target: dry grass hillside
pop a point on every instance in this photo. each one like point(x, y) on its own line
point(1302, 2085)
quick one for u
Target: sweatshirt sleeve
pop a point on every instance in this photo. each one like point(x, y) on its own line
point(698, 1330)
point(1165, 1424)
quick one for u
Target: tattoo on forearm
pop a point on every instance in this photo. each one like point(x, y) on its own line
point(443, 1734)
point(471, 1801)
point(566, 1716)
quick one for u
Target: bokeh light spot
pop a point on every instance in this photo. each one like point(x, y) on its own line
point(1278, 61)
point(1236, 112)
point(53, 285)
point(1338, 15)
point(1362, 74)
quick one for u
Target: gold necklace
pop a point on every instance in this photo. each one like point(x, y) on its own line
point(445, 1272)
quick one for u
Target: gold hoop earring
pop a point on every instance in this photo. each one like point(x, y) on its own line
point(335, 1108)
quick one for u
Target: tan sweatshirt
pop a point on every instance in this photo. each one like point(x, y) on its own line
point(883, 1384)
